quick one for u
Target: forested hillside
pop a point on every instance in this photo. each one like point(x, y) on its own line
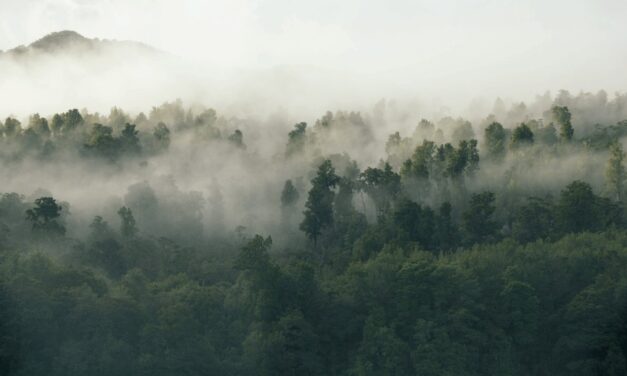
point(185, 242)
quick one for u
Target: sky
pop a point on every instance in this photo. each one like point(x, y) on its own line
point(469, 47)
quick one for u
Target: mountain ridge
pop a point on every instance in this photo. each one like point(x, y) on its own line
point(70, 40)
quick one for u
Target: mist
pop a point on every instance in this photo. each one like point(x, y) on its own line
point(263, 55)
point(265, 187)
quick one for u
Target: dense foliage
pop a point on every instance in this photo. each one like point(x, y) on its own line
point(446, 258)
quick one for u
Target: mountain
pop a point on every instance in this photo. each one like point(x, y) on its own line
point(69, 42)
point(68, 70)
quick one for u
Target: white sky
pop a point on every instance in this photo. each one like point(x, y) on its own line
point(475, 47)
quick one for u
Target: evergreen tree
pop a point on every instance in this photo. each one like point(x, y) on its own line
point(477, 222)
point(296, 139)
point(319, 205)
point(128, 227)
point(562, 116)
point(495, 139)
point(615, 172)
point(289, 194)
point(522, 136)
point(45, 216)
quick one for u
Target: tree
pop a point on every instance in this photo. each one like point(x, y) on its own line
point(56, 124)
point(419, 166)
point(520, 306)
point(128, 227)
point(237, 139)
point(296, 139)
point(104, 250)
point(495, 139)
point(577, 208)
point(446, 234)
point(319, 206)
point(546, 135)
point(615, 172)
point(100, 141)
point(522, 136)
point(561, 114)
point(45, 215)
point(394, 142)
point(382, 185)
point(254, 255)
point(289, 194)
point(71, 120)
point(462, 131)
point(129, 142)
point(533, 220)
point(463, 160)
point(162, 136)
point(415, 223)
point(343, 202)
point(477, 220)
point(12, 127)
point(381, 351)
point(614, 363)
point(424, 129)
point(290, 348)
point(100, 229)
point(9, 333)
point(264, 277)
point(473, 158)
point(39, 125)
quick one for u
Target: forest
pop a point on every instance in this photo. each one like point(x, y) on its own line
point(384, 241)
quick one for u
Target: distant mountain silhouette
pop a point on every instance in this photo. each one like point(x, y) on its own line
point(68, 42)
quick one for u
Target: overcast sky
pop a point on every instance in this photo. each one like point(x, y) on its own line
point(476, 46)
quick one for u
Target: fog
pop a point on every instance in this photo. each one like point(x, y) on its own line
point(250, 56)
point(270, 187)
point(263, 66)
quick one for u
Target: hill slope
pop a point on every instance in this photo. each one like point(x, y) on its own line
point(68, 41)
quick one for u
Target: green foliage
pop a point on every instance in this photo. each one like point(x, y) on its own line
point(522, 136)
point(56, 124)
point(289, 194)
point(39, 125)
point(463, 131)
point(446, 235)
point(129, 141)
point(162, 136)
point(104, 250)
point(495, 139)
point(128, 227)
point(382, 185)
point(319, 206)
point(464, 159)
point(546, 135)
point(254, 255)
point(534, 220)
point(615, 172)
point(12, 128)
point(477, 222)
point(9, 335)
point(67, 122)
point(381, 352)
point(562, 116)
point(415, 223)
point(297, 139)
point(576, 209)
point(101, 142)
point(45, 216)
point(447, 280)
point(289, 348)
point(419, 166)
